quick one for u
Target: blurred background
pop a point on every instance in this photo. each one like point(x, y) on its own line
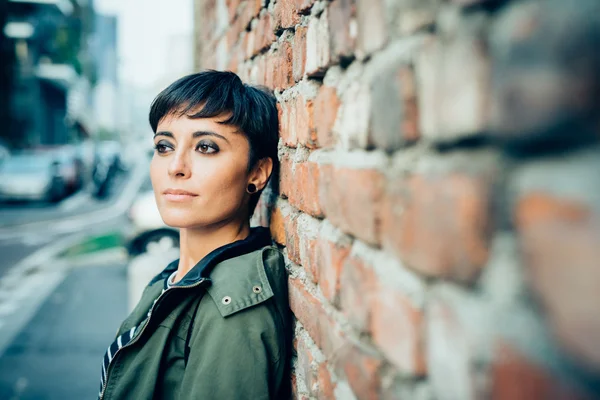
point(76, 81)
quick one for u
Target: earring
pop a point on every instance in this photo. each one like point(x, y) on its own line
point(251, 188)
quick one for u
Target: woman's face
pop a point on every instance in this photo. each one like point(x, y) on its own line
point(199, 171)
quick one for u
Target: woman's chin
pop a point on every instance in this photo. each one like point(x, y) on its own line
point(180, 219)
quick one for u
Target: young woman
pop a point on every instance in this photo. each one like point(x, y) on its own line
point(215, 323)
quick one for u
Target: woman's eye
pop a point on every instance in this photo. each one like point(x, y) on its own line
point(161, 148)
point(206, 148)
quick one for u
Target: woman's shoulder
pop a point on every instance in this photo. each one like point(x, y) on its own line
point(248, 280)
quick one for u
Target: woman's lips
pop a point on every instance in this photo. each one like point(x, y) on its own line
point(178, 195)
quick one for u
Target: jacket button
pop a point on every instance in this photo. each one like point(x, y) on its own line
point(226, 300)
point(257, 289)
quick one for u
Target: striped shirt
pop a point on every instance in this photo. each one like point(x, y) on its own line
point(126, 337)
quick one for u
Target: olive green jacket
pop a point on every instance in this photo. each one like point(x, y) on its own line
point(222, 332)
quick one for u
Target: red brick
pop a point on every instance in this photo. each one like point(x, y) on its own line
point(560, 243)
point(326, 386)
point(362, 370)
point(318, 55)
point(326, 106)
point(305, 360)
point(299, 53)
point(514, 377)
point(286, 14)
point(297, 122)
point(357, 286)
point(305, 123)
point(271, 64)
point(343, 42)
point(440, 224)
point(351, 200)
point(283, 78)
point(232, 8)
point(277, 226)
point(372, 26)
point(287, 123)
point(265, 36)
point(454, 87)
point(331, 259)
point(307, 309)
point(450, 357)
point(399, 337)
point(305, 193)
point(309, 246)
point(292, 241)
point(394, 114)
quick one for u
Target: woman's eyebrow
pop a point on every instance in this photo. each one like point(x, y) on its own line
point(194, 135)
point(163, 133)
point(209, 133)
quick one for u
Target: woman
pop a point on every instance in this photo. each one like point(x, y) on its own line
point(215, 323)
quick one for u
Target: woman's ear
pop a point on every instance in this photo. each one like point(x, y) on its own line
point(261, 172)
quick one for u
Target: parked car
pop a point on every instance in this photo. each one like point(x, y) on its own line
point(31, 176)
point(71, 167)
point(108, 164)
point(70, 164)
point(148, 232)
point(4, 153)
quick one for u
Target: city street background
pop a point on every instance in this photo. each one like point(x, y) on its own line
point(76, 204)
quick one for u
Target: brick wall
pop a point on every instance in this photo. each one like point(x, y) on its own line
point(439, 195)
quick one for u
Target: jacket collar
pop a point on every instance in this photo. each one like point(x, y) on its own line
point(259, 237)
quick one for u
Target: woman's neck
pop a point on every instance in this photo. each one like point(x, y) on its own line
point(195, 243)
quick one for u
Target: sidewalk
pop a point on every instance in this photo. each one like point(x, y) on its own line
point(58, 354)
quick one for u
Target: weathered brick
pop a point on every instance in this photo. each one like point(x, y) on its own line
point(515, 377)
point(286, 14)
point(331, 258)
point(232, 7)
point(326, 106)
point(277, 226)
point(545, 79)
point(265, 36)
point(326, 386)
point(439, 223)
point(351, 127)
point(358, 285)
point(287, 122)
point(308, 182)
point(342, 28)
point(399, 338)
point(318, 56)
point(361, 368)
point(351, 198)
point(308, 233)
point(304, 122)
point(449, 354)
point(410, 16)
point(372, 27)
point(299, 53)
point(555, 232)
point(394, 115)
point(306, 370)
point(307, 308)
point(453, 84)
point(282, 59)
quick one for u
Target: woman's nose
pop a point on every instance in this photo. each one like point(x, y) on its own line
point(179, 166)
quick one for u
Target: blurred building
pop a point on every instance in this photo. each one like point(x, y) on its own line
point(104, 51)
point(52, 71)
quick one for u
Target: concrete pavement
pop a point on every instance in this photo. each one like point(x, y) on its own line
point(58, 354)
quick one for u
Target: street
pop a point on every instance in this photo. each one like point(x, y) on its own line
point(56, 319)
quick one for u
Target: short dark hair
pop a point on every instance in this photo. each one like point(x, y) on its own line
point(207, 94)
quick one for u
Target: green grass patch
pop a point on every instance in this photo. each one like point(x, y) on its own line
point(94, 244)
